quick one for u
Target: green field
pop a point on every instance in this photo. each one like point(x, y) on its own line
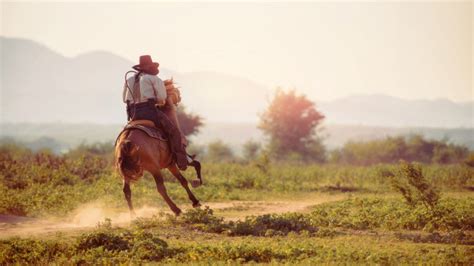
point(261, 212)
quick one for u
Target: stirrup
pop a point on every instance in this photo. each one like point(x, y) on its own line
point(197, 167)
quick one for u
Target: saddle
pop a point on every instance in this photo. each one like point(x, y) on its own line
point(149, 128)
point(145, 126)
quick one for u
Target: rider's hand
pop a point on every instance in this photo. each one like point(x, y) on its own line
point(161, 103)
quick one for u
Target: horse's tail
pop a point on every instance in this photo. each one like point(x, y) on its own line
point(128, 160)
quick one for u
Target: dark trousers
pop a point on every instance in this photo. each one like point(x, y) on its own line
point(148, 111)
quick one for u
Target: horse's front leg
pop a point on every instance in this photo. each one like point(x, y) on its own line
point(176, 173)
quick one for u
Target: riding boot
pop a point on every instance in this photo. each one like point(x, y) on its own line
point(178, 150)
point(174, 137)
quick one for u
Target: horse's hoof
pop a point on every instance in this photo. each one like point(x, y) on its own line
point(133, 215)
point(195, 183)
point(197, 205)
point(177, 212)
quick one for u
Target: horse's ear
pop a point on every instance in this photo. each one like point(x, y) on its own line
point(168, 81)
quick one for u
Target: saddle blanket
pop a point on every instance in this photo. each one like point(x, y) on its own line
point(146, 127)
point(152, 132)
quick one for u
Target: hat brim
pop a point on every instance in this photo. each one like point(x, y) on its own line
point(139, 67)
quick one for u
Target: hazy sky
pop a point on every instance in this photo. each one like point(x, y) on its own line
point(325, 49)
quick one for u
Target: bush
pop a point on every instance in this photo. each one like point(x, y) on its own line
point(272, 224)
point(109, 240)
point(263, 225)
point(413, 186)
point(148, 246)
point(250, 150)
point(470, 160)
point(203, 219)
point(218, 151)
point(139, 244)
point(393, 149)
point(373, 213)
point(30, 251)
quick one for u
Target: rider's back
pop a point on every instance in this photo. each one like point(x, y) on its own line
point(151, 87)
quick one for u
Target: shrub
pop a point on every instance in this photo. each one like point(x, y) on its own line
point(148, 246)
point(250, 150)
point(373, 213)
point(272, 224)
point(109, 240)
point(140, 244)
point(413, 186)
point(203, 219)
point(263, 225)
point(218, 151)
point(392, 149)
point(30, 251)
point(469, 161)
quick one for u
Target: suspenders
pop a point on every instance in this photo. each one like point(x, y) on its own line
point(136, 89)
point(137, 92)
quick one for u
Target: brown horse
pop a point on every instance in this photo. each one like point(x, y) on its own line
point(136, 152)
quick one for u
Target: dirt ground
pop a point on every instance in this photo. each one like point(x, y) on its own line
point(89, 215)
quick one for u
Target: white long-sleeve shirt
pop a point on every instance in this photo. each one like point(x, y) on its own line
point(151, 87)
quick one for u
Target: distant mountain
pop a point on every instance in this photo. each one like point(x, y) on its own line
point(382, 110)
point(40, 85)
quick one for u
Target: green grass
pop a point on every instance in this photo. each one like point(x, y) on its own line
point(199, 236)
point(369, 223)
point(45, 184)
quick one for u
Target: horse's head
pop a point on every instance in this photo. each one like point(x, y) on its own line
point(169, 84)
point(172, 90)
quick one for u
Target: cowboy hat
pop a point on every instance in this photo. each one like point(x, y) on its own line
point(145, 63)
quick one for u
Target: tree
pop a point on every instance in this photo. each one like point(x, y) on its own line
point(291, 123)
point(250, 150)
point(189, 122)
point(218, 151)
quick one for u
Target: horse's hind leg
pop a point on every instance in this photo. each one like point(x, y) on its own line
point(175, 171)
point(160, 186)
point(128, 196)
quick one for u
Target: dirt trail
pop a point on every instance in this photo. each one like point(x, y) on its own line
point(89, 215)
point(235, 210)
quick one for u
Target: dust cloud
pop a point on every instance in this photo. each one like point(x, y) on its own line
point(91, 214)
point(85, 217)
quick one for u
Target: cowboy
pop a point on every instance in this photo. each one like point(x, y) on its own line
point(143, 93)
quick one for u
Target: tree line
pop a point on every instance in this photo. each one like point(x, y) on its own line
point(292, 125)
